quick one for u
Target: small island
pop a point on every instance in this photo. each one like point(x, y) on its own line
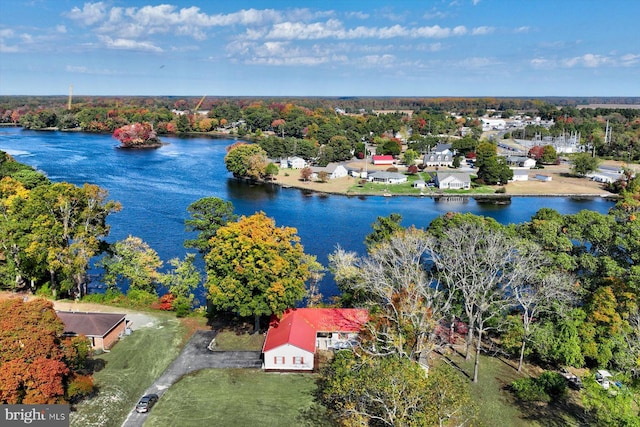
point(137, 135)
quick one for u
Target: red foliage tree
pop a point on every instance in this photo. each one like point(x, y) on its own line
point(536, 152)
point(136, 135)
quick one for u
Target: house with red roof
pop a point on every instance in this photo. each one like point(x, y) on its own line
point(382, 160)
point(292, 341)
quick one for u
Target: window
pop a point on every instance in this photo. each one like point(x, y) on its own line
point(298, 360)
point(278, 359)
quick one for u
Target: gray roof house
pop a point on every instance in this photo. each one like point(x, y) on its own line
point(440, 155)
point(453, 180)
point(387, 177)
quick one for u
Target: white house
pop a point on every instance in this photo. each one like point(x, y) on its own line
point(293, 163)
point(521, 161)
point(387, 177)
point(333, 170)
point(453, 181)
point(292, 341)
point(520, 175)
point(493, 124)
point(440, 155)
point(382, 160)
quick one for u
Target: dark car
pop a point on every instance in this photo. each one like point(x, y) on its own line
point(146, 403)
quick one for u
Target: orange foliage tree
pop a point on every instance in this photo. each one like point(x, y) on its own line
point(35, 361)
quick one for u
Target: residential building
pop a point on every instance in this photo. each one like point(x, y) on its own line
point(440, 155)
point(387, 177)
point(102, 329)
point(293, 340)
point(382, 160)
point(453, 180)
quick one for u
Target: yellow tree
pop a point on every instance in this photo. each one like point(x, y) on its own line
point(255, 268)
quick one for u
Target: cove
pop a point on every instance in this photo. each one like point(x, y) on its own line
point(156, 186)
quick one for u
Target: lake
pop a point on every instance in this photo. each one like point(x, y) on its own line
point(156, 186)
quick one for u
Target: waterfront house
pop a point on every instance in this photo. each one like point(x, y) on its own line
point(293, 340)
point(333, 170)
point(453, 180)
point(520, 175)
point(387, 177)
point(521, 161)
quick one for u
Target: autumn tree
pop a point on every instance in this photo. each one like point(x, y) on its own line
point(255, 268)
point(137, 135)
point(246, 161)
point(305, 173)
point(36, 363)
point(207, 215)
point(132, 261)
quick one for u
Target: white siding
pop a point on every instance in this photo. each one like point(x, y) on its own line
point(288, 357)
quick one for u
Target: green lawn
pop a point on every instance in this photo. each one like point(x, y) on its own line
point(497, 406)
point(231, 341)
point(239, 397)
point(407, 188)
point(131, 366)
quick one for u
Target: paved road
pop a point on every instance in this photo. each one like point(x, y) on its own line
point(195, 356)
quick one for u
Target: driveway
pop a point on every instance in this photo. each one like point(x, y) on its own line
point(195, 356)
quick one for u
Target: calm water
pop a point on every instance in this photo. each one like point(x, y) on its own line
point(156, 186)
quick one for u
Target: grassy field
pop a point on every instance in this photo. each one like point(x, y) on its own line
point(497, 406)
point(239, 397)
point(123, 374)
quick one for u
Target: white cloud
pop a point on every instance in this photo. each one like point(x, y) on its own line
point(481, 31)
point(90, 13)
point(629, 60)
point(523, 29)
point(379, 60)
point(128, 44)
point(81, 69)
point(357, 15)
point(61, 29)
point(542, 63)
point(588, 60)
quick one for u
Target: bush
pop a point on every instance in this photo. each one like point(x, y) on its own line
point(80, 386)
point(140, 298)
point(542, 389)
point(392, 169)
point(528, 390)
point(553, 384)
point(501, 190)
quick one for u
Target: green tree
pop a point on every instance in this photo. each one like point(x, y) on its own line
point(393, 391)
point(131, 261)
point(409, 157)
point(181, 280)
point(549, 155)
point(609, 409)
point(255, 268)
point(207, 215)
point(246, 161)
point(583, 163)
point(383, 229)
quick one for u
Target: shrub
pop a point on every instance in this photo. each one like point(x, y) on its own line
point(542, 389)
point(528, 390)
point(392, 169)
point(79, 387)
point(140, 298)
point(501, 190)
point(553, 384)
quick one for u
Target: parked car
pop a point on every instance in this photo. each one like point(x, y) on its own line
point(146, 403)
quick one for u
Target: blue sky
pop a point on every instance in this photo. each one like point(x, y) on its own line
point(321, 48)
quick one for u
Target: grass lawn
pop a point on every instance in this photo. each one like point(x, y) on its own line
point(497, 406)
point(239, 397)
point(132, 365)
point(228, 340)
